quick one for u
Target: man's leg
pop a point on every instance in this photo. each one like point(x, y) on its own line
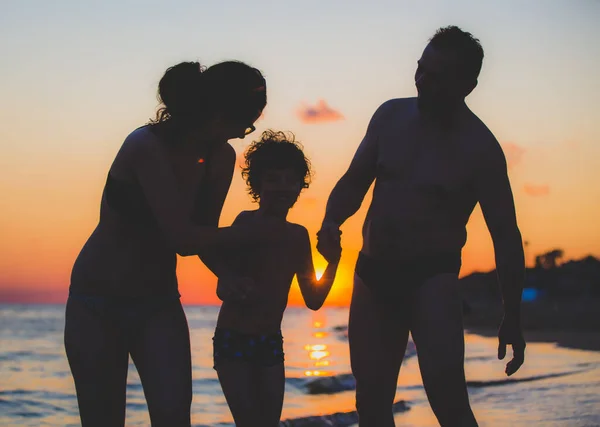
point(377, 335)
point(438, 333)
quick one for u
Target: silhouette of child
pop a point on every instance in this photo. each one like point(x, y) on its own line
point(248, 345)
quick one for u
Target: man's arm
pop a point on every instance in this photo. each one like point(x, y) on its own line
point(497, 204)
point(347, 195)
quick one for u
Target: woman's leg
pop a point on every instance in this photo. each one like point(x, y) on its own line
point(160, 349)
point(378, 336)
point(98, 359)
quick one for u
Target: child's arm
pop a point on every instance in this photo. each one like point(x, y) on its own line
point(314, 291)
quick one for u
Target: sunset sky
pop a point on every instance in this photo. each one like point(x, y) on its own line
point(77, 77)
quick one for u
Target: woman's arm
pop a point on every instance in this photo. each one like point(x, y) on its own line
point(209, 203)
point(231, 284)
point(314, 291)
point(155, 175)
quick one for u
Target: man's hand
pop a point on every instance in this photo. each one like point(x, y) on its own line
point(328, 241)
point(510, 333)
point(232, 287)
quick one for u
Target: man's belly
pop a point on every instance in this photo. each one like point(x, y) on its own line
point(404, 224)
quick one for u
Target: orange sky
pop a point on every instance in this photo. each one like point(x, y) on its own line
point(72, 91)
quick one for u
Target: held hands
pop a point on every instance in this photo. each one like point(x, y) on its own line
point(329, 242)
point(232, 287)
point(510, 333)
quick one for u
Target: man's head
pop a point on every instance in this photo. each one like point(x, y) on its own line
point(448, 69)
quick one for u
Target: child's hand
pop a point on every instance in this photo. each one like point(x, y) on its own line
point(232, 287)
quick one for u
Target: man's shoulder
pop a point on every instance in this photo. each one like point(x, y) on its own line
point(483, 144)
point(393, 110)
point(480, 136)
point(396, 105)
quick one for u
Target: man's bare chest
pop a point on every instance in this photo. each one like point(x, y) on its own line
point(417, 158)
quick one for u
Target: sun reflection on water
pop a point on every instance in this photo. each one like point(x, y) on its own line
point(318, 352)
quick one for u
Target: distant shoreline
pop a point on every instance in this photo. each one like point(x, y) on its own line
point(577, 340)
point(562, 307)
point(568, 322)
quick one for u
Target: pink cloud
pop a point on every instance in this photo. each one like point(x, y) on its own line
point(513, 152)
point(537, 190)
point(319, 113)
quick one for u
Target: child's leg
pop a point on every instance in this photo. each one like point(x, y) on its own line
point(239, 386)
point(271, 381)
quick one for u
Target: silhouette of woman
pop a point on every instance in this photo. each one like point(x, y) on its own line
point(163, 196)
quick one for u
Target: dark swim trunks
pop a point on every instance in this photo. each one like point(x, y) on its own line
point(261, 350)
point(396, 279)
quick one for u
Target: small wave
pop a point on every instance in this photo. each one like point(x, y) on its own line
point(339, 419)
point(29, 408)
point(43, 394)
point(20, 356)
point(136, 406)
point(201, 382)
point(495, 383)
point(338, 383)
point(331, 385)
point(479, 358)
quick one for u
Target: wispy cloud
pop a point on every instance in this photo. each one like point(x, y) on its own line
point(513, 153)
point(537, 190)
point(319, 113)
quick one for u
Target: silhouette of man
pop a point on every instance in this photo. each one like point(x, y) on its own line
point(432, 161)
